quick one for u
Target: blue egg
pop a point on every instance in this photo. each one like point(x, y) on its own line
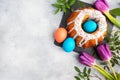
point(89, 26)
point(68, 45)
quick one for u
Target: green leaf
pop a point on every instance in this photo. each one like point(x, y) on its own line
point(82, 4)
point(67, 5)
point(118, 47)
point(84, 70)
point(57, 10)
point(116, 61)
point(65, 1)
point(118, 75)
point(63, 5)
point(82, 76)
point(64, 9)
point(115, 12)
point(88, 79)
point(112, 48)
point(113, 64)
point(77, 78)
point(60, 1)
point(116, 38)
point(77, 69)
point(107, 38)
point(111, 39)
point(89, 70)
point(116, 33)
point(72, 2)
point(117, 42)
point(56, 5)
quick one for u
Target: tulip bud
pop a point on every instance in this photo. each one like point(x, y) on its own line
point(86, 59)
point(103, 6)
point(104, 52)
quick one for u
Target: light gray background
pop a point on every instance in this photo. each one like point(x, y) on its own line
point(27, 51)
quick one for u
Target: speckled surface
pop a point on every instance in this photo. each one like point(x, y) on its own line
point(27, 51)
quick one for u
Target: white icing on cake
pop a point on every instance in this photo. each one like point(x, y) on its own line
point(95, 15)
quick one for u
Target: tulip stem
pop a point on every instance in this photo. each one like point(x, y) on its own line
point(112, 19)
point(112, 69)
point(103, 72)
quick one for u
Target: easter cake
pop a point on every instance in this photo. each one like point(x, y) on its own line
point(87, 26)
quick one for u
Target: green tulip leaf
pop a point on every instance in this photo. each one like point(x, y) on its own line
point(115, 12)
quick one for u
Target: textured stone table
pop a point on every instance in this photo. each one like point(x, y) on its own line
point(27, 51)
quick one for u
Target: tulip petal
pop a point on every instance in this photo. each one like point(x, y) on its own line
point(106, 3)
point(90, 58)
point(86, 63)
point(108, 50)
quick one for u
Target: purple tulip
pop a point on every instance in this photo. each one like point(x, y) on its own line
point(101, 5)
point(86, 59)
point(104, 52)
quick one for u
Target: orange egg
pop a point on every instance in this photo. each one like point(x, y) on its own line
point(60, 35)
